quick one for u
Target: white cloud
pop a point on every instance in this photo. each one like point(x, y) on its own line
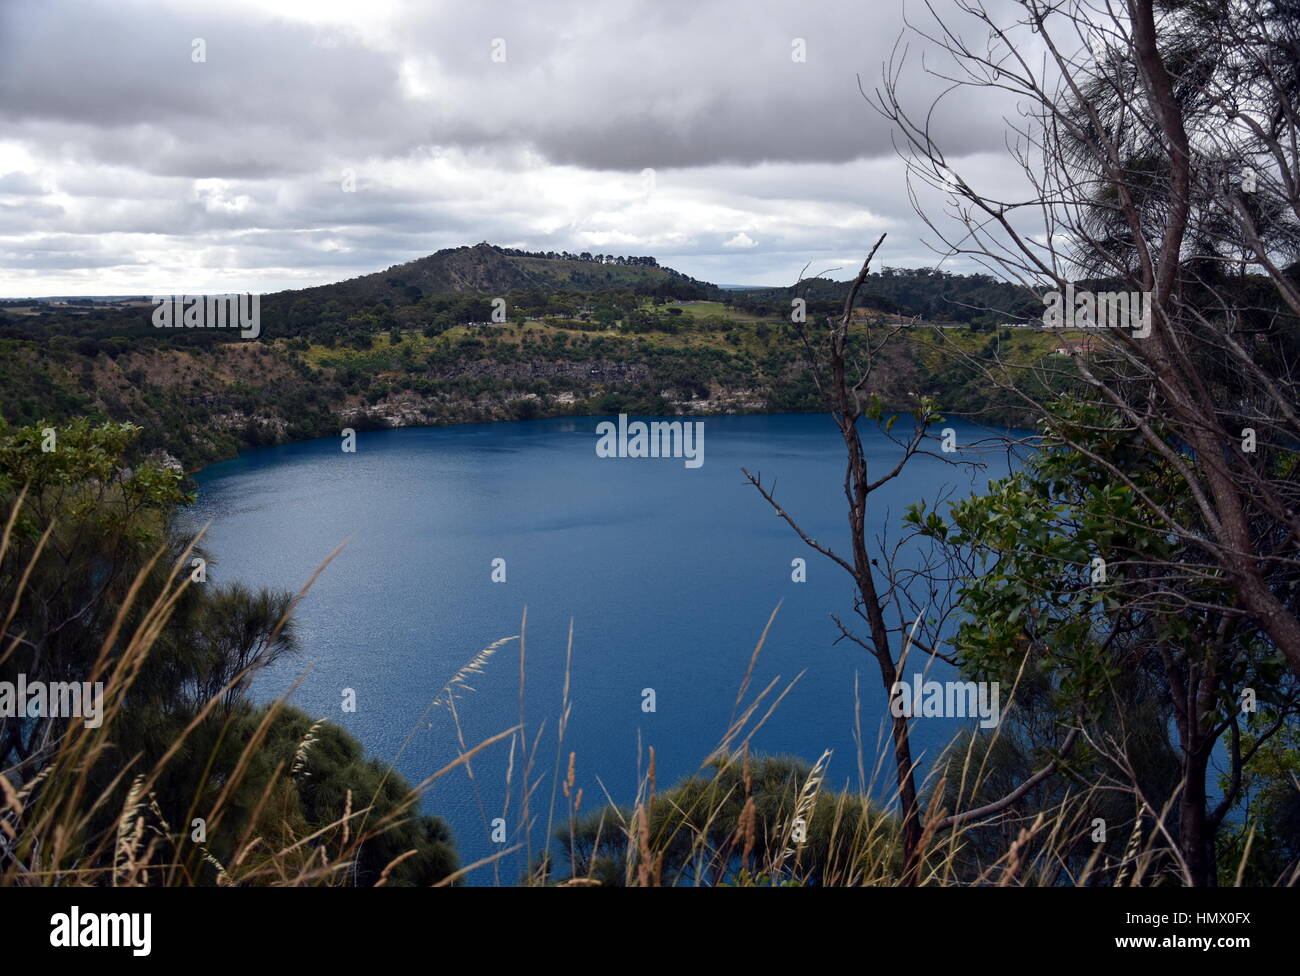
point(126, 168)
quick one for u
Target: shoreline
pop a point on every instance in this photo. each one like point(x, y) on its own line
point(189, 473)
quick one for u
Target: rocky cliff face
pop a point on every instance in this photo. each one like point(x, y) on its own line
point(587, 371)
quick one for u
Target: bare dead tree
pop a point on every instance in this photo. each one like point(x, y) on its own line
point(842, 370)
point(845, 398)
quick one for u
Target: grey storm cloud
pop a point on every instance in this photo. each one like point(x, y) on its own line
point(524, 124)
point(621, 86)
point(269, 98)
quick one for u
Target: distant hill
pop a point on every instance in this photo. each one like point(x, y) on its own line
point(485, 269)
point(925, 293)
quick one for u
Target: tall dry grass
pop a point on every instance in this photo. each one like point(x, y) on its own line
point(51, 818)
point(48, 837)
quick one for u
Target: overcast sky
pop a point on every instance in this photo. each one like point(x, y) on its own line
point(685, 130)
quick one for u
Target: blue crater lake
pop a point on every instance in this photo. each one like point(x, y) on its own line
point(667, 573)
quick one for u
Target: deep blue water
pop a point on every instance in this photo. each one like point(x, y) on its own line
point(667, 573)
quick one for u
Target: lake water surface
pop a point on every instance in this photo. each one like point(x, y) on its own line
point(668, 575)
